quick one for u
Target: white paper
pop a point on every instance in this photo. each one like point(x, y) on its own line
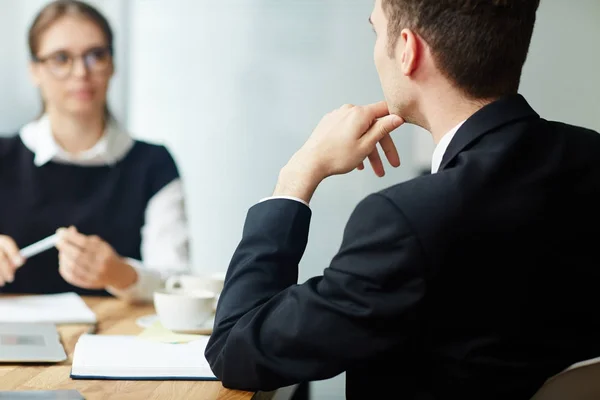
point(63, 308)
point(132, 357)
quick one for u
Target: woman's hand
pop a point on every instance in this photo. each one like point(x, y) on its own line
point(10, 259)
point(91, 263)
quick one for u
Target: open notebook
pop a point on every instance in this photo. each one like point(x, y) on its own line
point(134, 358)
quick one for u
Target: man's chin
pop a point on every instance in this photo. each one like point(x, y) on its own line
point(405, 110)
point(400, 111)
point(394, 107)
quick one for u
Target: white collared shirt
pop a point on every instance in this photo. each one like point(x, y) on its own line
point(165, 239)
point(442, 146)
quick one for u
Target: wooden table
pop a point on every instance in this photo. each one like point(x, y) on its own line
point(114, 317)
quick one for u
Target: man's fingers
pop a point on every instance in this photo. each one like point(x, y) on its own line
point(380, 133)
point(376, 163)
point(377, 110)
point(380, 129)
point(390, 150)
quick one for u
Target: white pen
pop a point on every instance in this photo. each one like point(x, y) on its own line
point(38, 247)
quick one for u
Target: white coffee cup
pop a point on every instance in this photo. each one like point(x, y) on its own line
point(212, 283)
point(184, 310)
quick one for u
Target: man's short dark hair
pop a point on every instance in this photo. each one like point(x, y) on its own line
point(480, 45)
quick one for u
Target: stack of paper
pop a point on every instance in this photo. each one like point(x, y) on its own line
point(132, 358)
point(63, 308)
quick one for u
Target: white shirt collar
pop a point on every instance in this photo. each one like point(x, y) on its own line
point(112, 146)
point(442, 146)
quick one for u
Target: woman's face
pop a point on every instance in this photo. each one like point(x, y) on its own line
point(73, 67)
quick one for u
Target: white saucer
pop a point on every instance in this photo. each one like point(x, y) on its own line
point(148, 320)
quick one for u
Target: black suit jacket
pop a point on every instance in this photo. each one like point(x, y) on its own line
point(477, 282)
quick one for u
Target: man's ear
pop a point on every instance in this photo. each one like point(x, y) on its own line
point(408, 49)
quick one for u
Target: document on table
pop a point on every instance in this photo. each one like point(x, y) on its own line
point(63, 308)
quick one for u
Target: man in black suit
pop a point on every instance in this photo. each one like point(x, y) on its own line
point(478, 281)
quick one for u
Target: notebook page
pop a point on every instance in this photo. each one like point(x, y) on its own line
point(63, 308)
point(131, 356)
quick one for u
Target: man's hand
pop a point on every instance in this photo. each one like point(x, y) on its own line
point(340, 143)
point(91, 263)
point(10, 259)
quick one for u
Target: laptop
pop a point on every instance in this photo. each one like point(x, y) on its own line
point(30, 343)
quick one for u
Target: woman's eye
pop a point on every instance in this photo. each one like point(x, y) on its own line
point(60, 58)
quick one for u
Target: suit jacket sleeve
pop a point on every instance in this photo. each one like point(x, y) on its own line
point(270, 332)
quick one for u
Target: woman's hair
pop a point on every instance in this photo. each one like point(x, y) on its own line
point(55, 11)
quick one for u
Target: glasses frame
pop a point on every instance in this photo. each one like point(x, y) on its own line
point(74, 57)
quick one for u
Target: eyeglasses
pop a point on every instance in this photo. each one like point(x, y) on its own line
point(96, 60)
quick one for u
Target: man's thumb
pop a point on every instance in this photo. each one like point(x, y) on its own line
point(383, 126)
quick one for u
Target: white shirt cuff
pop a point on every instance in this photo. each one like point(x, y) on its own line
point(148, 281)
point(285, 197)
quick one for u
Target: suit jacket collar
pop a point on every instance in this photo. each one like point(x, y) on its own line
point(504, 111)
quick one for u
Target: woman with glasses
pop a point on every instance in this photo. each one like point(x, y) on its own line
point(116, 203)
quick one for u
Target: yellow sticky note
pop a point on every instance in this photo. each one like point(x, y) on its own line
point(158, 333)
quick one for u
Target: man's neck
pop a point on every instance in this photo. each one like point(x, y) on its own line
point(440, 114)
point(76, 134)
